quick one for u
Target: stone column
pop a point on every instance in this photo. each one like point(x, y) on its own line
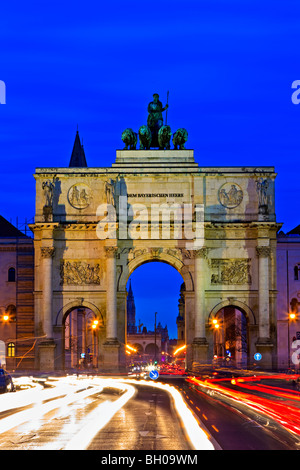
point(111, 293)
point(47, 345)
point(263, 253)
point(264, 344)
point(111, 360)
point(47, 254)
point(200, 344)
point(199, 285)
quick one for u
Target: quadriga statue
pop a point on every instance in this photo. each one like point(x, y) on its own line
point(179, 139)
point(145, 137)
point(129, 138)
point(164, 137)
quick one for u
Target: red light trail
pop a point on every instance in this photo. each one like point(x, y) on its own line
point(287, 414)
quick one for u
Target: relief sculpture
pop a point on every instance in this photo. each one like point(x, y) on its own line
point(79, 196)
point(230, 195)
point(79, 273)
point(235, 271)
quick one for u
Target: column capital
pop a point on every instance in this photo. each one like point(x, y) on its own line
point(263, 251)
point(47, 252)
point(111, 251)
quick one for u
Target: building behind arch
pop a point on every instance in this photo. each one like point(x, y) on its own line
point(16, 298)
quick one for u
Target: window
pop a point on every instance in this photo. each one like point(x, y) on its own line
point(11, 350)
point(11, 275)
point(296, 272)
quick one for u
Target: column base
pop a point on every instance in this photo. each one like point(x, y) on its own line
point(111, 357)
point(264, 346)
point(46, 350)
point(199, 352)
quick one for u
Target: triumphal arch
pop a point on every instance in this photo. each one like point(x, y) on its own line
point(94, 226)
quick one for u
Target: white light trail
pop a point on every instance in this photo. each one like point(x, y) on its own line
point(97, 419)
point(33, 415)
point(93, 422)
point(198, 437)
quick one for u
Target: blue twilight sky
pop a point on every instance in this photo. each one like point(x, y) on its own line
point(228, 65)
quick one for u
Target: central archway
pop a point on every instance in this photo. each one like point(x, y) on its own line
point(155, 322)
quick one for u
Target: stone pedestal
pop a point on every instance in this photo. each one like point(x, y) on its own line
point(265, 347)
point(111, 356)
point(200, 352)
point(46, 351)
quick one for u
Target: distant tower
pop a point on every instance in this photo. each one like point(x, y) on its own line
point(180, 320)
point(78, 159)
point(131, 326)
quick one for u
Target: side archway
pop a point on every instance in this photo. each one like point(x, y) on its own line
point(229, 323)
point(233, 303)
point(66, 309)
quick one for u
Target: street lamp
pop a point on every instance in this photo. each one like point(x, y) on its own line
point(292, 317)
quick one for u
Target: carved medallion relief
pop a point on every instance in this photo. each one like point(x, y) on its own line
point(230, 195)
point(79, 196)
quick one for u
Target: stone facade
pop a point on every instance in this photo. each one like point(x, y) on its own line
point(288, 281)
point(16, 298)
point(221, 237)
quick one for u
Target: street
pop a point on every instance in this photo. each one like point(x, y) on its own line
point(182, 413)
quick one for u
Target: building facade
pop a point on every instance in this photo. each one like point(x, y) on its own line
point(17, 337)
point(288, 310)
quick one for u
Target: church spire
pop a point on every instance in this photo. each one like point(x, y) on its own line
point(130, 293)
point(131, 326)
point(78, 156)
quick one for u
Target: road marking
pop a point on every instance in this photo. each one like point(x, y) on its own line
point(214, 427)
point(205, 417)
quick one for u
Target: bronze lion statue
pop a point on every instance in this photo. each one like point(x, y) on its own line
point(145, 137)
point(179, 139)
point(164, 137)
point(129, 138)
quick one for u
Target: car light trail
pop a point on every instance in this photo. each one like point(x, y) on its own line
point(285, 414)
point(97, 419)
point(32, 415)
point(197, 436)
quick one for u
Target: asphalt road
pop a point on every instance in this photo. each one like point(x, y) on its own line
point(99, 414)
point(79, 417)
point(233, 429)
point(147, 422)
